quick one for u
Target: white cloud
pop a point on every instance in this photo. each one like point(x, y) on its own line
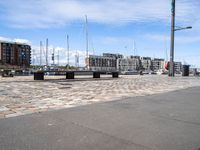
point(17, 40)
point(58, 51)
point(5, 39)
point(179, 39)
point(111, 40)
point(22, 41)
point(51, 13)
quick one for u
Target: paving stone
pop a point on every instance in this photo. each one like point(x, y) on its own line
point(3, 108)
point(8, 112)
point(25, 96)
point(13, 115)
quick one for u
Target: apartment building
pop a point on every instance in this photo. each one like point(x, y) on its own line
point(131, 63)
point(15, 54)
point(110, 55)
point(177, 67)
point(146, 63)
point(101, 63)
point(158, 64)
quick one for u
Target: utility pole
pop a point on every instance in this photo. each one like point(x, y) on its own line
point(171, 66)
point(47, 42)
point(40, 53)
point(68, 52)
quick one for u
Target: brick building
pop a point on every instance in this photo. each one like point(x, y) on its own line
point(16, 54)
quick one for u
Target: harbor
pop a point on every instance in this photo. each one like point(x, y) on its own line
point(99, 75)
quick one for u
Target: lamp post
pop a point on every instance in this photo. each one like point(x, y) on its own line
point(171, 66)
point(173, 29)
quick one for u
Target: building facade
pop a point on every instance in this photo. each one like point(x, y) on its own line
point(146, 64)
point(101, 63)
point(158, 64)
point(110, 55)
point(178, 67)
point(131, 63)
point(15, 54)
point(116, 62)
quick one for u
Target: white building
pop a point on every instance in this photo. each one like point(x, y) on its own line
point(177, 67)
point(146, 63)
point(102, 63)
point(158, 64)
point(128, 64)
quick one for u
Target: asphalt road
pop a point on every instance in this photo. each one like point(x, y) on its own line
point(169, 121)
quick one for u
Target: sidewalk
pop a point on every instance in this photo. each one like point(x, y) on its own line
point(169, 121)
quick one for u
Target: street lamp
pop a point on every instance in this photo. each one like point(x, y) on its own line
point(182, 28)
point(173, 29)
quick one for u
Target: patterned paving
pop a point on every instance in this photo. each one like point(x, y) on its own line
point(22, 95)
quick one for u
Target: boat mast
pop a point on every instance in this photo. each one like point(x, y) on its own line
point(53, 56)
point(58, 57)
point(87, 57)
point(47, 51)
point(40, 53)
point(67, 51)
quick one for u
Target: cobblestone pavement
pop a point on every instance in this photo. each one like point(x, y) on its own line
point(22, 95)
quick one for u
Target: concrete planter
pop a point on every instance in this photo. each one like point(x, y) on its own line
point(38, 75)
point(69, 75)
point(96, 74)
point(186, 70)
point(115, 74)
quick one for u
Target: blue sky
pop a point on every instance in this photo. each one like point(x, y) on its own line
point(113, 25)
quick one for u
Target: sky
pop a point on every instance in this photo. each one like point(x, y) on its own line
point(128, 27)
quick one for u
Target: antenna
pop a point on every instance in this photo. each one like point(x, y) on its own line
point(47, 42)
point(67, 51)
